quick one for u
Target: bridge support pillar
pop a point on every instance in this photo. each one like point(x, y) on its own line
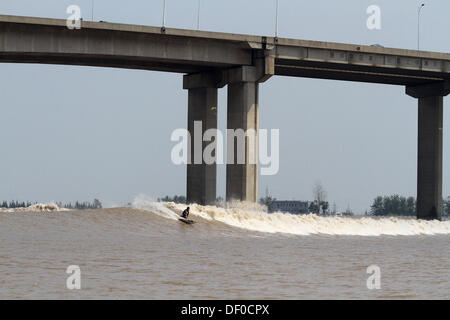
point(242, 131)
point(242, 119)
point(429, 150)
point(202, 116)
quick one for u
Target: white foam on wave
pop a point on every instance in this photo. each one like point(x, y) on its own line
point(248, 217)
point(38, 207)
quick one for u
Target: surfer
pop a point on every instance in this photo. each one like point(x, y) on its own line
point(185, 213)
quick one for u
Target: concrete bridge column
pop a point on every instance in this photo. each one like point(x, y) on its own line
point(202, 115)
point(429, 151)
point(243, 118)
point(242, 114)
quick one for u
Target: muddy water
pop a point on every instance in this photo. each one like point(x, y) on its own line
point(136, 254)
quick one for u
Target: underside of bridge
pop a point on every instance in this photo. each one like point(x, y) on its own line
point(211, 60)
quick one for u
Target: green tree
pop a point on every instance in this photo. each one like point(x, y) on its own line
point(446, 206)
point(313, 207)
point(267, 201)
point(377, 208)
point(325, 205)
point(411, 206)
point(97, 204)
point(393, 205)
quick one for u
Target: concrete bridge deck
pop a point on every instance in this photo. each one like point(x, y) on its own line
point(210, 60)
point(103, 44)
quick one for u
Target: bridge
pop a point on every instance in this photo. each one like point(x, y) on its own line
point(212, 60)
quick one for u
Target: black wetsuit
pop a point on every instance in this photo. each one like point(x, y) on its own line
point(185, 214)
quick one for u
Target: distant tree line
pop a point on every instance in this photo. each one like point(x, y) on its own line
point(393, 205)
point(16, 204)
point(397, 205)
point(96, 204)
point(319, 207)
point(183, 200)
point(175, 199)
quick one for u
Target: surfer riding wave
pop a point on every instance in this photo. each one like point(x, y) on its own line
point(185, 213)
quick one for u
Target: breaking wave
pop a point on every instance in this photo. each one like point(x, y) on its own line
point(143, 202)
point(254, 218)
point(38, 207)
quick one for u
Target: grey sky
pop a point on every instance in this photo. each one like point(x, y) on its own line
point(72, 133)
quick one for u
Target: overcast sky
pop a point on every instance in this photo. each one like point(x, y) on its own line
point(71, 133)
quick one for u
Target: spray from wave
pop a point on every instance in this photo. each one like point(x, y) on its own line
point(253, 217)
point(143, 202)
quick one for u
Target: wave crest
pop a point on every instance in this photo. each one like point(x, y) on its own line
point(254, 219)
point(38, 207)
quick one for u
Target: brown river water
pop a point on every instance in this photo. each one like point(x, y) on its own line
point(146, 253)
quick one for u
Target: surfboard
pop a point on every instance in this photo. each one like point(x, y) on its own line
point(186, 221)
